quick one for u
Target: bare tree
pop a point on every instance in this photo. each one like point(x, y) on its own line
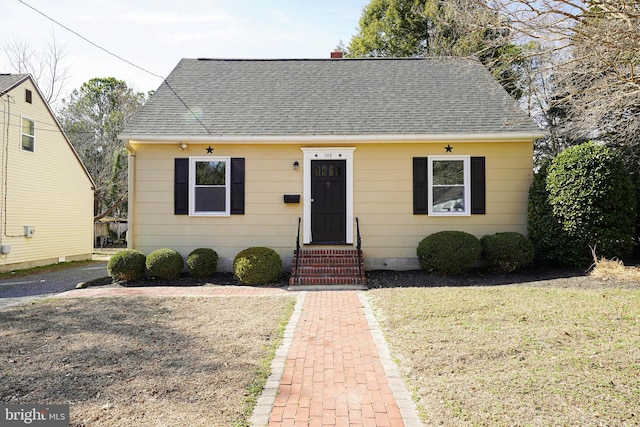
point(44, 65)
point(587, 68)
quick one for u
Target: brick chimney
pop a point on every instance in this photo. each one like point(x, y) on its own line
point(336, 54)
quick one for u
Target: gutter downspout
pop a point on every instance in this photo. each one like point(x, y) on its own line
point(131, 180)
point(5, 140)
point(5, 172)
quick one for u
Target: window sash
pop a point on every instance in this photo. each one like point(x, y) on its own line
point(209, 187)
point(27, 135)
point(449, 187)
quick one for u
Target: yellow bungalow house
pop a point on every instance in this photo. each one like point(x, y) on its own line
point(229, 154)
point(46, 201)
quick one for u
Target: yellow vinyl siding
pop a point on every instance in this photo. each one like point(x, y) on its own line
point(47, 189)
point(382, 198)
point(383, 195)
point(267, 220)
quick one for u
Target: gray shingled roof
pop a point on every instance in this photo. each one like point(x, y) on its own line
point(8, 81)
point(328, 97)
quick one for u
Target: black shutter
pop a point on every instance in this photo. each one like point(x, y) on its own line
point(420, 186)
point(478, 185)
point(181, 187)
point(237, 186)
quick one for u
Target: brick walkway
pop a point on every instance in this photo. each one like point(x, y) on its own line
point(334, 374)
point(333, 368)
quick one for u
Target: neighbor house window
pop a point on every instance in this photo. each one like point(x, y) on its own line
point(449, 185)
point(209, 186)
point(28, 131)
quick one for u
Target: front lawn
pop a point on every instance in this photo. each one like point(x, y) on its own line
point(142, 361)
point(517, 355)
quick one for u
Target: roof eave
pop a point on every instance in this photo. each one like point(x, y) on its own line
point(28, 77)
point(295, 139)
point(21, 80)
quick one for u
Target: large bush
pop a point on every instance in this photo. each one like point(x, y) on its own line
point(507, 251)
point(257, 266)
point(164, 264)
point(202, 262)
point(545, 231)
point(128, 264)
point(589, 201)
point(449, 252)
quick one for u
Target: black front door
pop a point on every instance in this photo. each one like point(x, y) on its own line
point(328, 201)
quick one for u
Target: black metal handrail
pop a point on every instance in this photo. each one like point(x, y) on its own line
point(359, 246)
point(295, 272)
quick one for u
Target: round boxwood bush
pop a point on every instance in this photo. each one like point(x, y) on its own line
point(591, 200)
point(202, 262)
point(126, 265)
point(449, 252)
point(507, 251)
point(164, 264)
point(257, 266)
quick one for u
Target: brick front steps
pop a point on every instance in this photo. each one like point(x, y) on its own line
point(327, 267)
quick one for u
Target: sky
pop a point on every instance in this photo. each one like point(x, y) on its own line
point(156, 34)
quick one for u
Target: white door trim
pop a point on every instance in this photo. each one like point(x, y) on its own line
point(326, 153)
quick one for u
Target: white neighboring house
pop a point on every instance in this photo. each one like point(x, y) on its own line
point(46, 193)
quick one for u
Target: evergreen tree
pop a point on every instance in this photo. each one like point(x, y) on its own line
point(420, 28)
point(92, 118)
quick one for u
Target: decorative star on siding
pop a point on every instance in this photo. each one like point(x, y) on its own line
point(448, 148)
point(209, 150)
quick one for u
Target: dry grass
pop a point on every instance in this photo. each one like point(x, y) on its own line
point(614, 270)
point(516, 355)
point(142, 361)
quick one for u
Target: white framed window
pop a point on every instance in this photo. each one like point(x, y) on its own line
point(28, 135)
point(209, 186)
point(449, 185)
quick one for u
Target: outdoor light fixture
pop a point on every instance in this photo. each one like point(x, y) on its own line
point(296, 165)
point(183, 146)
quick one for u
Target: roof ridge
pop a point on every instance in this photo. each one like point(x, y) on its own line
point(413, 58)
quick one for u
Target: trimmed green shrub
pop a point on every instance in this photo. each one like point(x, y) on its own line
point(164, 264)
point(202, 262)
point(449, 252)
point(545, 231)
point(128, 264)
point(257, 266)
point(507, 251)
point(589, 202)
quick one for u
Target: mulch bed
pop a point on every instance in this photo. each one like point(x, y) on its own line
point(534, 275)
point(475, 277)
